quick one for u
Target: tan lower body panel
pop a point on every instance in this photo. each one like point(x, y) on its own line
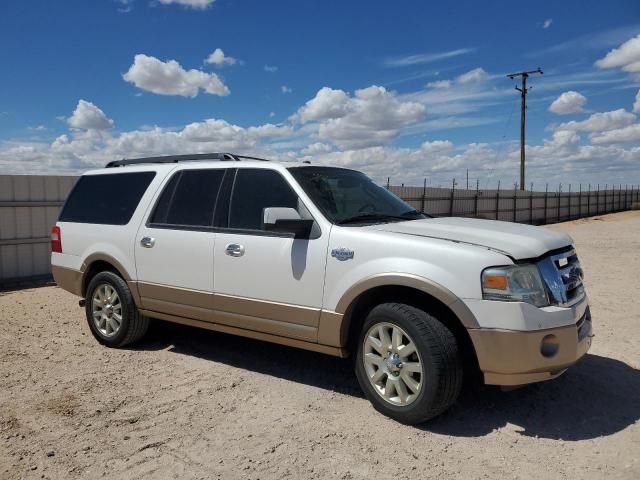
point(508, 357)
point(330, 328)
point(337, 352)
point(176, 301)
point(286, 324)
point(283, 320)
point(68, 279)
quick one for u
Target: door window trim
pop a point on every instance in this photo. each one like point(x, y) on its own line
point(191, 228)
point(254, 232)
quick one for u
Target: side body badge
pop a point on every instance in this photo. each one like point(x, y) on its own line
point(342, 254)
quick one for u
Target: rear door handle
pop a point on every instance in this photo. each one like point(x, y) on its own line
point(147, 242)
point(234, 250)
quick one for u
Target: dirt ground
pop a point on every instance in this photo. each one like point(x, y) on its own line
point(192, 404)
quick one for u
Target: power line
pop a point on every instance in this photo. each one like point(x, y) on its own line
point(523, 107)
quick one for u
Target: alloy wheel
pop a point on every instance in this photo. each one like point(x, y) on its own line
point(392, 364)
point(106, 310)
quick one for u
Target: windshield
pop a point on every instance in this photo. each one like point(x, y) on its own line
point(346, 196)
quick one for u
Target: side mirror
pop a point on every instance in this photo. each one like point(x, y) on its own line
point(286, 220)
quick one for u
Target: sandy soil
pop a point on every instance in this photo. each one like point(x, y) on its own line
point(188, 403)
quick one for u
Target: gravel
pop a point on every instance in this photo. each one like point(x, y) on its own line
point(192, 404)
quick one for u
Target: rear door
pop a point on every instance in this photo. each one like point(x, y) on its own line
point(266, 281)
point(174, 247)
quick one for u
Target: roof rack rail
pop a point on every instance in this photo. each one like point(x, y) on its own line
point(228, 157)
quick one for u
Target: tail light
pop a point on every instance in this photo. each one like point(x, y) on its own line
point(56, 240)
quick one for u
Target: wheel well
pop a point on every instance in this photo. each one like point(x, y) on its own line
point(359, 309)
point(95, 268)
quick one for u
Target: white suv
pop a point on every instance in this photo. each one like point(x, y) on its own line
point(322, 258)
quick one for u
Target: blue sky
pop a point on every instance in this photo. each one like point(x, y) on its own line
point(402, 89)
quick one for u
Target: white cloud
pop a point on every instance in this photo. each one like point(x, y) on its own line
point(439, 84)
point(599, 122)
point(466, 79)
point(459, 98)
point(316, 149)
point(557, 159)
point(285, 89)
point(89, 117)
point(547, 23)
point(270, 68)
point(219, 133)
point(215, 130)
point(217, 57)
point(272, 114)
point(328, 103)
point(195, 4)
point(475, 75)
point(636, 104)
point(436, 146)
point(372, 116)
point(354, 129)
point(425, 57)
point(83, 149)
point(630, 133)
point(568, 102)
point(169, 78)
point(594, 40)
point(271, 130)
point(626, 56)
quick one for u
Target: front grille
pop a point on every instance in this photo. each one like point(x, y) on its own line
point(563, 276)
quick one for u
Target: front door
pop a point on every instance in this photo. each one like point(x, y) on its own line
point(266, 281)
point(174, 249)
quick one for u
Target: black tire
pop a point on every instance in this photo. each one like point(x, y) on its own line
point(438, 352)
point(133, 325)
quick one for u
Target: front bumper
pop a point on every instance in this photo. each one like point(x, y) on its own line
point(509, 357)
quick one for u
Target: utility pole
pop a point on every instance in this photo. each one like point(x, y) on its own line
point(523, 107)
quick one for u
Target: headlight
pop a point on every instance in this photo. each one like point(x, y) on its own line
point(514, 283)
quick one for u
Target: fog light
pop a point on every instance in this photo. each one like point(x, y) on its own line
point(549, 346)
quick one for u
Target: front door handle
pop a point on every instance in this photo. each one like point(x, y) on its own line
point(234, 250)
point(147, 242)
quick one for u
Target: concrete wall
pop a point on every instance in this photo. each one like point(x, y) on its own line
point(29, 207)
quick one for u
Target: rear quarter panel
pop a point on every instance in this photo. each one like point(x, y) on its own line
point(82, 240)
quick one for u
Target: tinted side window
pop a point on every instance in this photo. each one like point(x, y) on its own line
point(189, 198)
point(107, 199)
point(254, 190)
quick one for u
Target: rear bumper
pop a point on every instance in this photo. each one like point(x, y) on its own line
point(68, 279)
point(509, 357)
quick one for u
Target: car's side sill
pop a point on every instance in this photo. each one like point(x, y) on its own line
point(291, 342)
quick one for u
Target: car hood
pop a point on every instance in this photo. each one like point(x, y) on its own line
point(513, 239)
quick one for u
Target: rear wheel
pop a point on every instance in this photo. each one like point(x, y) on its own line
point(408, 363)
point(111, 312)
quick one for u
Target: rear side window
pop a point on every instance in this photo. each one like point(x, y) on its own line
point(189, 199)
point(253, 191)
point(106, 199)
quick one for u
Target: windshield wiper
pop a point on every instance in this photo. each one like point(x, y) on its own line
point(414, 213)
point(372, 217)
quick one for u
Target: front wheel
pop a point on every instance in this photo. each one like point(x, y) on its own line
point(408, 363)
point(111, 312)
